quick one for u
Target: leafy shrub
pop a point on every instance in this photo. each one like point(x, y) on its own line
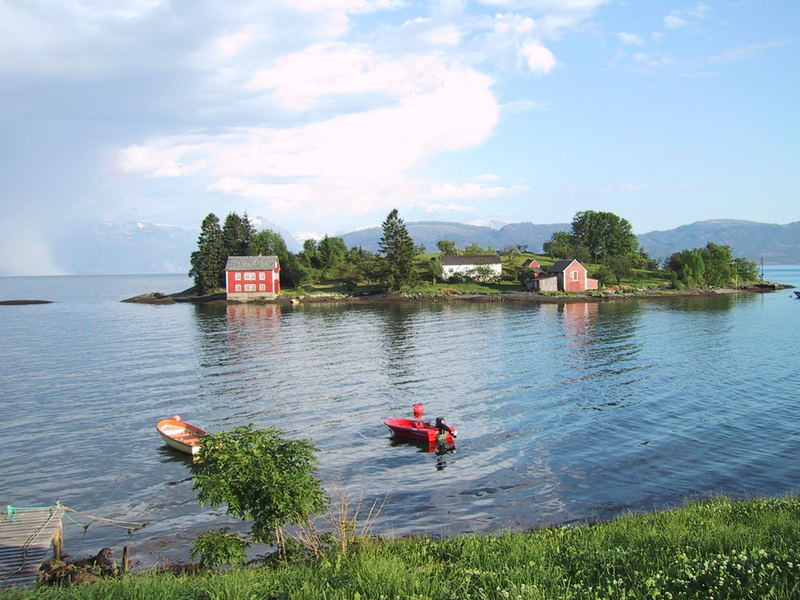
point(260, 476)
point(218, 548)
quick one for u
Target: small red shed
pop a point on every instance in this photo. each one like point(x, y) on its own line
point(534, 266)
point(572, 276)
point(249, 278)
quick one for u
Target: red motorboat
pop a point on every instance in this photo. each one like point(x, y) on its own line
point(425, 431)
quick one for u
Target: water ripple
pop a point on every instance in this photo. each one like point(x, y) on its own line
point(566, 412)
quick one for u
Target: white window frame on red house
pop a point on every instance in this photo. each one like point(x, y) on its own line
point(237, 276)
point(262, 287)
point(238, 286)
point(262, 275)
point(249, 276)
point(574, 275)
point(249, 287)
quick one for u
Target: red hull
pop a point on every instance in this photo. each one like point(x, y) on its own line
point(414, 429)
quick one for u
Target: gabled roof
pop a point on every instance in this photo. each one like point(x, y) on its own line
point(561, 265)
point(474, 259)
point(251, 263)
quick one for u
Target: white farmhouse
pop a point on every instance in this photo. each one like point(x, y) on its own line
point(479, 267)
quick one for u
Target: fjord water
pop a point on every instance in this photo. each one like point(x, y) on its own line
point(566, 412)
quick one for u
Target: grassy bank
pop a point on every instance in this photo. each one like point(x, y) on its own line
point(636, 279)
point(716, 549)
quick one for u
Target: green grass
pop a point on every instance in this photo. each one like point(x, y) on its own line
point(717, 549)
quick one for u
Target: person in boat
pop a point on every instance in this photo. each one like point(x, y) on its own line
point(443, 428)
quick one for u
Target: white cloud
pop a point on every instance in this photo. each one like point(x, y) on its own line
point(518, 106)
point(347, 164)
point(232, 44)
point(677, 19)
point(653, 61)
point(448, 35)
point(432, 207)
point(548, 6)
point(346, 6)
point(301, 80)
point(163, 159)
point(539, 58)
point(471, 191)
point(630, 39)
point(674, 22)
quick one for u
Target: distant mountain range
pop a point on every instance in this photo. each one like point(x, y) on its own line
point(778, 244)
point(427, 233)
point(102, 248)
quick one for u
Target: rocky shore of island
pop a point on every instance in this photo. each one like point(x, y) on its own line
point(604, 295)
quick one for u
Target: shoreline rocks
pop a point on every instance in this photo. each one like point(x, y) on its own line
point(606, 295)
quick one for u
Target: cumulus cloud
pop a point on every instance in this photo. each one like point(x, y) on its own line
point(630, 38)
point(366, 114)
point(302, 107)
point(539, 58)
point(299, 81)
point(351, 163)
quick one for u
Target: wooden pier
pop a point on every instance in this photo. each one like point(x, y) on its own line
point(26, 535)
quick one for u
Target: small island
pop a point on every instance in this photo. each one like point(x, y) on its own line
point(23, 302)
point(598, 260)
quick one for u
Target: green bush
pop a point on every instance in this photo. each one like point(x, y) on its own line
point(218, 548)
point(259, 476)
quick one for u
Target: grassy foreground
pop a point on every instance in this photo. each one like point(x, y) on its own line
point(711, 550)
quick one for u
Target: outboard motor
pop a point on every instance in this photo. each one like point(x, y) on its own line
point(443, 427)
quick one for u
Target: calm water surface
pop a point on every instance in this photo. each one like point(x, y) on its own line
point(566, 413)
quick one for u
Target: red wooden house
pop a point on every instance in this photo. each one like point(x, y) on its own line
point(572, 276)
point(564, 276)
point(249, 278)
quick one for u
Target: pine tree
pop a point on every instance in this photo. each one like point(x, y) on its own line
point(236, 235)
point(208, 261)
point(397, 249)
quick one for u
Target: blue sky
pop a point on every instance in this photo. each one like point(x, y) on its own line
point(323, 115)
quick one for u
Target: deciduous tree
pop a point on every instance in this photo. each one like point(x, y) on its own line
point(604, 234)
point(260, 476)
point(446, 246)
point(270, 243)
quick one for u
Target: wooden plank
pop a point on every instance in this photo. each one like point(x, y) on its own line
point(25, 539)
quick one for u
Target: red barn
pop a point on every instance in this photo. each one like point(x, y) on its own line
point(572, 276)
point(249, 278)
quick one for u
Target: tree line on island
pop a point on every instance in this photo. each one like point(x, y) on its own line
point(602, 241)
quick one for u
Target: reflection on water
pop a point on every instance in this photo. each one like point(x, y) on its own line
point(565, 412)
